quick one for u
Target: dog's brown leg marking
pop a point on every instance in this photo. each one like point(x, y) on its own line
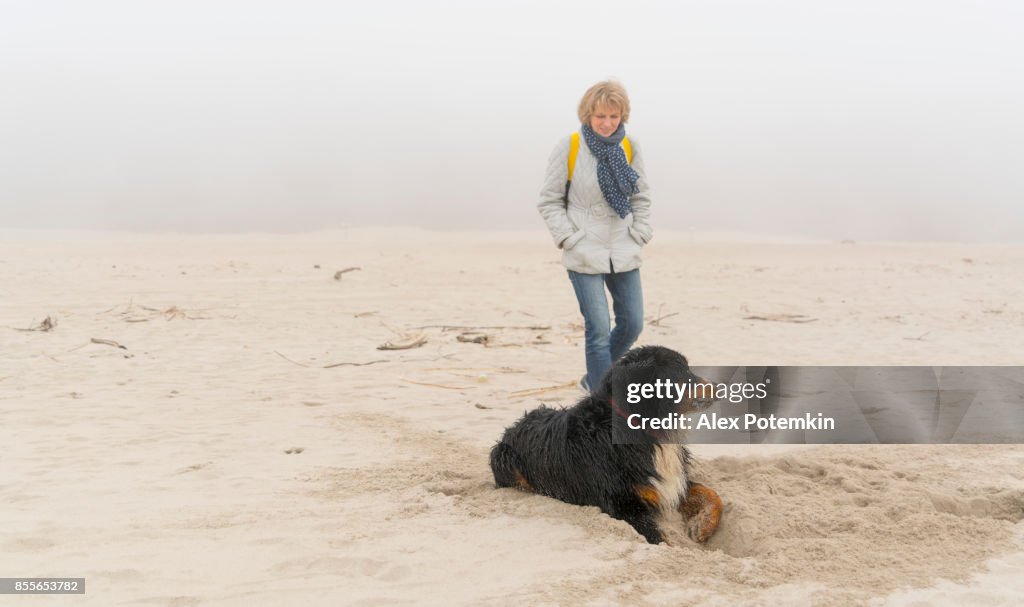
point(522, 483)
point(703, 512)
point(648, 494)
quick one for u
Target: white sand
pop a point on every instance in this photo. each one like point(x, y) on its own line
point(161, 473)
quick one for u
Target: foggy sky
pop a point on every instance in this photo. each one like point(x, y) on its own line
point(860, 119)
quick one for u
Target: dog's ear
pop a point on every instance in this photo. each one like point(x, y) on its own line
point(644, 365)
point(631, 375)
point(623, 378)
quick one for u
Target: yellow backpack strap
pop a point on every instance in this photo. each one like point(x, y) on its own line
point(574, 149)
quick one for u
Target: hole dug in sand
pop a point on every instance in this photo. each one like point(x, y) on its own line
point(830, 526)
point(838, 524)
point(874, 513)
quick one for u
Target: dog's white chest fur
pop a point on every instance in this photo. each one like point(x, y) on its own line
point(668, 461)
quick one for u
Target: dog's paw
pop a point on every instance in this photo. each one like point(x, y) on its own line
point(699, 528)
point(703, 512)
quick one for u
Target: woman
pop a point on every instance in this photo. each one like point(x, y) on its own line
point(600, 219)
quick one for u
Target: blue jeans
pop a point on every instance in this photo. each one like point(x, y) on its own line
point(605, 345)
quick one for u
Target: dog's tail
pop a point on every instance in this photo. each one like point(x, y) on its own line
point(507, 467)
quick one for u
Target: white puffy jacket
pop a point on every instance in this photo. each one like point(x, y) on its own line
point(593, 239)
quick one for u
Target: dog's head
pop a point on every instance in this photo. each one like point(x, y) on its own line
point(654, 382)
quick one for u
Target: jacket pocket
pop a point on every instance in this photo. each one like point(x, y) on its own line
point(636, 236)
point(571, 241)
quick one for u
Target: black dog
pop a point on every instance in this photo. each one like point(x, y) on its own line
point(575, 454)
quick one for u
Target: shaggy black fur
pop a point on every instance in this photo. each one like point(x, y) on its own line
point(568, 454)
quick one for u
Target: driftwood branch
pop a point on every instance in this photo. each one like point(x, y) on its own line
point(406, 342)
point(291, 361)
point(423, 383)
point(657, 321)
point(492, 369)
point(450, 356)
point(331, 366)
point(130, 313)
point(798, 318)
point(471, 338)
point(47, 324)
point(339, 273)
point(538, 342)
point(107, 342)
point(535, 391)
point(468, 328)
point(372, 362)
point(175, 312)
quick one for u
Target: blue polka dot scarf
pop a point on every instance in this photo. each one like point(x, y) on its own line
point(616, 178)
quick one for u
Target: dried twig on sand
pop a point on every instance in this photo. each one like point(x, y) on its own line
point(918, 338)
point(473, 338)
point(174, 312)
point(339, 273)
point(405, 342)
point(331, 366)
point(536, 391)
point(466, 328)
point(290, 360)
point(536, 342)
point(493, 369)
point(372, 362)
point(130, 313)
point(450, 356)
point(111, 309)
point(47, 324)
point(362, 314)
point(799, 318)
point(657, 321)
point(423, 383)
point(107, 342)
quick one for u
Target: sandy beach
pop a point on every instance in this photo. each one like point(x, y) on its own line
point(236, 437)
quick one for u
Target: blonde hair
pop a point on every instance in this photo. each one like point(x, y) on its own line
point(609, 94)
